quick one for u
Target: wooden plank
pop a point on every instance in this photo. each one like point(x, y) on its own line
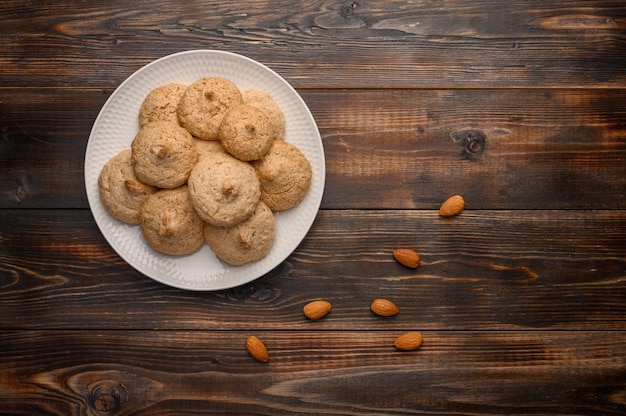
point(483, 270)
point(312, 372)
point(502, 149)
point(519, 106)
point(399, 43)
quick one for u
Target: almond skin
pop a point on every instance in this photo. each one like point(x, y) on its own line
point(317, 309)
point(384, 307)
point(256, 348)
point(407, 257)
point(452, 206)
point(409, 341)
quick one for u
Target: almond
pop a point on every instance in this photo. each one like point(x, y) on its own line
point(257, 349)
point(317, 309)
point(408, 341)
point(384, 307)
point(452, 206)
point(407, 257)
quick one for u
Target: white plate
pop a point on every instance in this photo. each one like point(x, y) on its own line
point(116, 126)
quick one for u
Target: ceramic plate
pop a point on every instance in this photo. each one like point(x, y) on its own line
point(116, 126)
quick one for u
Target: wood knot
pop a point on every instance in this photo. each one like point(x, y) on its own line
point(20, 194)
point(473, 143)
point(107, 396)
point(348, 10)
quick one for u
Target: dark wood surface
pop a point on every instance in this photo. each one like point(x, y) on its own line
point(519, 106)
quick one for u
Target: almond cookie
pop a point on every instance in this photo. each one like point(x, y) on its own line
point(224, 190)
point(247, 132)
point(265, 102)
point(208, 147)
point(246, 242)
point(163, 154)
point(285, 175)
point(120, 191)
point(170, 224)
point(160, 104)
point(203, 105)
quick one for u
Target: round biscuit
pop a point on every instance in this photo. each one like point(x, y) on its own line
point(163, 154)
point(208, 147)
point(265, 102)
point(247, 132)
point(160, 104)
point(285, 175)
point(223, 189)
point(246, 242)
point(204, 103)
point(120, 191)
point(170, 224)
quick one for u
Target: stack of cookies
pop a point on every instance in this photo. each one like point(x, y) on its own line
point(209, 165)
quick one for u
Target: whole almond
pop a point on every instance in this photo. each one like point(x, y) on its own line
point(317, 309)
point(384, 307)
point(409, 341)
point(256, 348)
point(407, 257)
point(452, 206)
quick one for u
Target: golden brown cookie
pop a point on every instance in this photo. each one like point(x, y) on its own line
point(204, 103)
point(208, 147)
point(170, 224)
point(163, 154)
point(246, 242)
point(247, 132)
point(265, 102)
point(224, 190)
point(285, 175)
point(120, 191)
point(160, 104)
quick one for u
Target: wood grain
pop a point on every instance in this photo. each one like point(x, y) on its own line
point(339, 373)
point(400, 43)
point(502, 149)
point(483, 270)
point(519, 106)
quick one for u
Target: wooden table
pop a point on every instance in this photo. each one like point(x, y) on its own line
point(518, 106)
